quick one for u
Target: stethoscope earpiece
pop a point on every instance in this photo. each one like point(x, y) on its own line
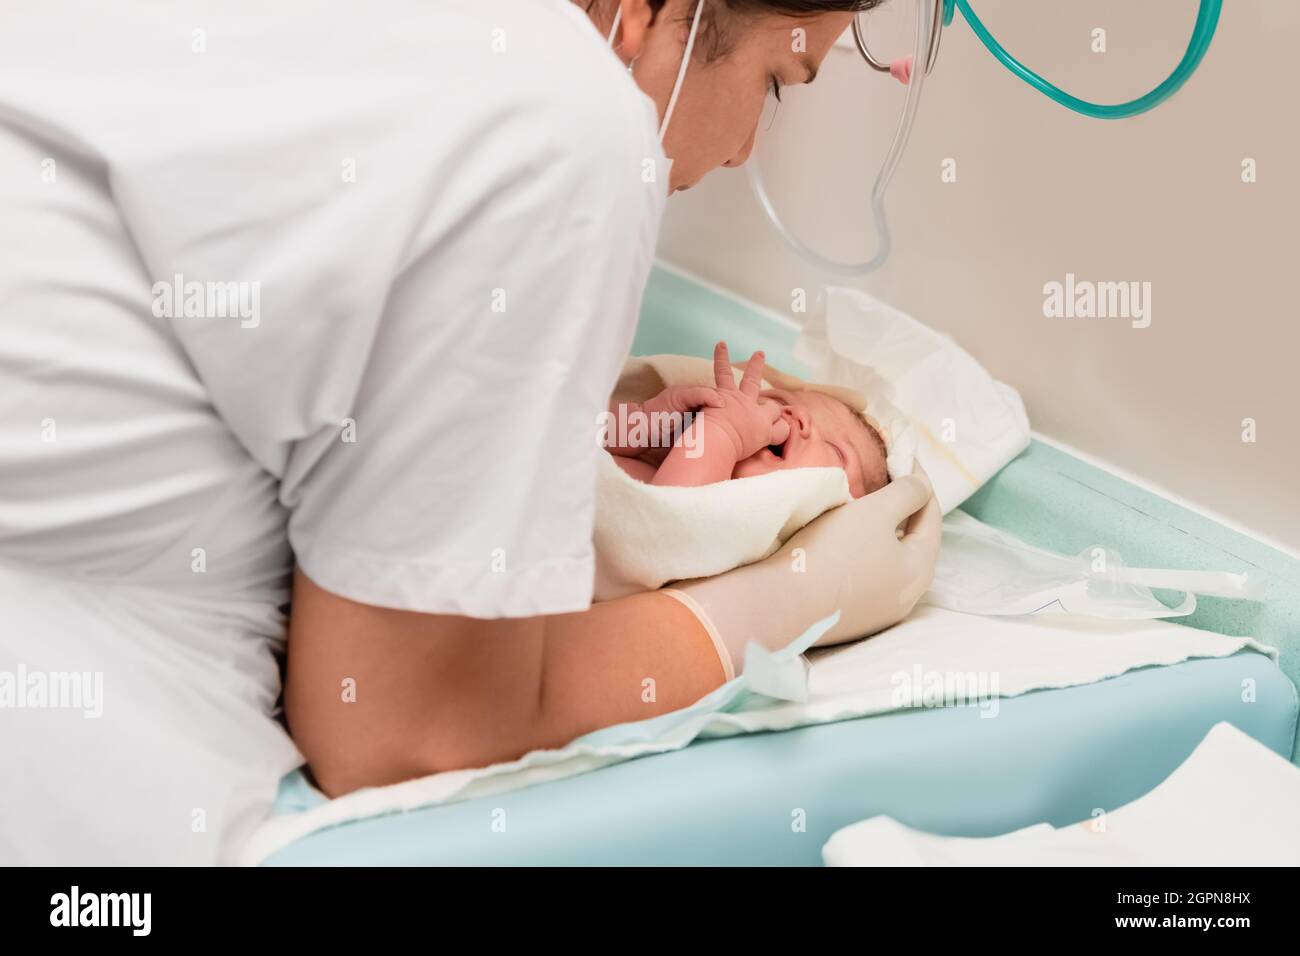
point(931, 54)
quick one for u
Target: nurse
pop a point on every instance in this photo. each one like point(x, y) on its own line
point(445, 214)
point(462, 662)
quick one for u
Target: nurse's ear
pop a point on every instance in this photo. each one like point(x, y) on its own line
point(638, 18)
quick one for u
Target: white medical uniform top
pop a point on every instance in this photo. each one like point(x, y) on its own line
point(438, 224)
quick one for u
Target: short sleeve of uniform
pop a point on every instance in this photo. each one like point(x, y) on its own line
point(449, 250)
point(467, 485)
point(461, 477)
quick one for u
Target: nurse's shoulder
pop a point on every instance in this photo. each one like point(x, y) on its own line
point(551, 90)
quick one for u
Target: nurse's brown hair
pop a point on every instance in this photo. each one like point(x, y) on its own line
point(793, 8)
point(714, 37)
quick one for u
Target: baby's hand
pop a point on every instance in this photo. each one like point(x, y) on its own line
point(666, 415)
point(679, 399)
point(747, 422)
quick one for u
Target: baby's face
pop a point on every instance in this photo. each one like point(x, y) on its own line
point(824, 433)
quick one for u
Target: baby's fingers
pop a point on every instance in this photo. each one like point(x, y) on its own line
point(752, 380)
point(699, 396)
point(780, 431)
point(722, 375)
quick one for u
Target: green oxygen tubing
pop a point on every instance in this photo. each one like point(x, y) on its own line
point(1207, 19)
point(931, 17)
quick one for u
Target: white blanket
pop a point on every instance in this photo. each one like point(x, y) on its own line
point(916, 663)
point(944, 410)
point(647, 535)
point(1231, 803)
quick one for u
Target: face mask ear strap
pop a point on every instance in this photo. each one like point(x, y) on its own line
point(618, 18)
point(681, 72)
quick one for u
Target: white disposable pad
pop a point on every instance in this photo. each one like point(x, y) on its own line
point(1231, 803)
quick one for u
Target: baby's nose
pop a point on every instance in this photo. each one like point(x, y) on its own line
point(798, 418)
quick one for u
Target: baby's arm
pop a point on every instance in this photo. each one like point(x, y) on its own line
point(729, 424)
point(734, 428)
point(647, 431)
point(703, 455)
point(619, 441)
point(693, 459)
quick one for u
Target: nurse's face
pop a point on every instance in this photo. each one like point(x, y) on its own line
point(722, 98)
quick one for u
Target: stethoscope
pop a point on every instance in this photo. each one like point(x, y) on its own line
point(1207, 19)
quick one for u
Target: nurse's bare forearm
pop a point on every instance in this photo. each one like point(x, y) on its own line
point(376, 696)
point(622, 660)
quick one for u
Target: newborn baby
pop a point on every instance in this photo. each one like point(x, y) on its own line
point(679, 430)
point(708, 435)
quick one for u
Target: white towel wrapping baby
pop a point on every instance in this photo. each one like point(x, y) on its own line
point(927, 398)
point(647, 535)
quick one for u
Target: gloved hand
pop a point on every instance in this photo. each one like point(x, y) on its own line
point(852, 559)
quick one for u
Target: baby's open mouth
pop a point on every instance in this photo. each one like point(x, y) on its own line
point(777, 450)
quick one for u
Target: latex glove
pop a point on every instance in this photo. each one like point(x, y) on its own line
point(851, 559)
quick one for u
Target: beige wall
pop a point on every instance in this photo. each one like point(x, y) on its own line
point(1042, 192)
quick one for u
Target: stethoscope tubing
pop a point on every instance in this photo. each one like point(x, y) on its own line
point(1207, 21)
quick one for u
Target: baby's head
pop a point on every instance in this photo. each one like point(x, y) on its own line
point(824, 432)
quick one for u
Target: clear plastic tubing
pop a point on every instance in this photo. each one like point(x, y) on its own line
point(1207, 20)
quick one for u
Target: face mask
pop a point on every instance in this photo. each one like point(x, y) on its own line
point(681, 72)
